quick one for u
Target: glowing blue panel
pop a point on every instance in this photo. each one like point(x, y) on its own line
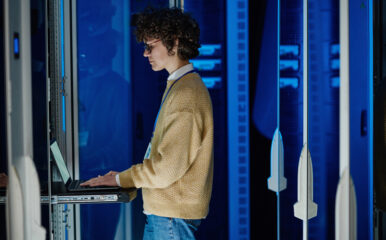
point(335, 49)
point(16, 45)
point(104, 105)
point(289, 82)
point(206, 64)
point(360, 78)
point(238, 119)
point(289, 50)
point(209, 49)
point(335, 82)
point(335, 64)
point(210, 82)
point(265, 92)
point(292, 65)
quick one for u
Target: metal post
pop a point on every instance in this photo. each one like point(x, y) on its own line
point(23, 197)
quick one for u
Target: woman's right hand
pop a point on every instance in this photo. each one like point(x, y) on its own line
point(111, 173)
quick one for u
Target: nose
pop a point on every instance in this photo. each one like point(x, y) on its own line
point(146, 53)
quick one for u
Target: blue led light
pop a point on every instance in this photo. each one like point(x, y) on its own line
point(335, 64)
point(206, 64)
point(292, 65)
point(209, 49)
point(16, 45)
point(289, 49)
point(210, 82)
point(289, 82)
point(66, 232)
point(335, 82)
point(335, 49)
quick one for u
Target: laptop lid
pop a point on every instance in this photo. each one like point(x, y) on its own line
point(58, 158)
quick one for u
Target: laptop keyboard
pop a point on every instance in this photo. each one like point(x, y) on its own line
point(76, 185)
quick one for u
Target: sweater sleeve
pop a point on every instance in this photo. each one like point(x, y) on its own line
point(178, 146)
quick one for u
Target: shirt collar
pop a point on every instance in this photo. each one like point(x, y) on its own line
point(181, 71)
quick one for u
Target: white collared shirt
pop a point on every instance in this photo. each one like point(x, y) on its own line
point(181, 71)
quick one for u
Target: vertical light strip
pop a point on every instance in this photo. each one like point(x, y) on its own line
point(371, 116)
point(344, 94)
point(67, 78)
point(238, 118)
point(62, 69)
point(74, 94)
point(62, 92)
point(305, 107)
point(67, 84)
point(344, 115)
point(49, 180)
point(278, 122)
point(278, 65)
point(305, 72)
point(345, 211)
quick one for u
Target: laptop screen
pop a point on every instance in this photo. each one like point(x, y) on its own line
point(60, 162)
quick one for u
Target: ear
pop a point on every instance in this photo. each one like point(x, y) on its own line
point(175, 47)
point(176, 44)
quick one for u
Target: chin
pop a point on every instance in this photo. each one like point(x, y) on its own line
point(156, 69)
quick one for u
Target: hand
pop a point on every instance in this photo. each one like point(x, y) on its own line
point(3, 180)
point(107, 180)
point(111, 173)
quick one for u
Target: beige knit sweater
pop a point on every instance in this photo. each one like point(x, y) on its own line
point(176, 180)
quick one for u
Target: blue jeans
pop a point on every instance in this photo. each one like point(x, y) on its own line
point(165, 228)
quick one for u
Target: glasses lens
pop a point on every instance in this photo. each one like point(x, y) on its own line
point(147, 47)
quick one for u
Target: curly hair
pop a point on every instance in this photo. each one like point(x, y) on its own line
point(169, 25)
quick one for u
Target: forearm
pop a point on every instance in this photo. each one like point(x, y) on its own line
point(171, 157)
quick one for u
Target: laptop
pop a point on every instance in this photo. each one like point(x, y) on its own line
point(72, 185)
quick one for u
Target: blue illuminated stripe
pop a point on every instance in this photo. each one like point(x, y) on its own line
point(206, 64)
point(238, 119)
point(210, 82)
point(335, 82)
point(335, 49)
point(209, 49)
point(289, 82)
point(16, 48)
point(292, 65)
point(335, 64)
point(66, 230)
point(371, 118)
point(289, 49)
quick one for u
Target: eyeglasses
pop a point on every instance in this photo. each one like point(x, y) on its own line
point(149, 46)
